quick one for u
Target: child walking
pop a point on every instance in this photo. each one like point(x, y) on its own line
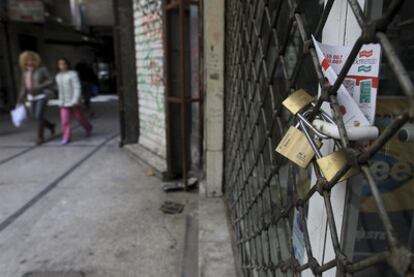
point(69, 88)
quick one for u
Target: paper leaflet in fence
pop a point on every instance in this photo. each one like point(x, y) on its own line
point(360, 84)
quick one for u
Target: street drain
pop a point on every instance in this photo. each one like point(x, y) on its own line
point(170, 207)
point(55, 274)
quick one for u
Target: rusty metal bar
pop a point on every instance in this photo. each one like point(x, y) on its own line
point(396, 66)
point(339, 121)
point(184, 92)
point(167, 83)
point(178, 100)
point(359, 14)
point(385, 136)
point(344, 71)
point(173, 5)
point(183, 97)
point(389, 231)
point(324, 17)
point(372, 260)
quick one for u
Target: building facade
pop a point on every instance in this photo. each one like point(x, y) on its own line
point(286, 220)
point(168, 88)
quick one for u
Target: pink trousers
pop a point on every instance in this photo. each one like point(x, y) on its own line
point(65, 113)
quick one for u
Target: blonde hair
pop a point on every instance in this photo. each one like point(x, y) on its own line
point(26, 55)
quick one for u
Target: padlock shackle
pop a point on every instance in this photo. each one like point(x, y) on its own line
point(310, 126)
point(324, 114)
point(315, 149)
point(354, 133)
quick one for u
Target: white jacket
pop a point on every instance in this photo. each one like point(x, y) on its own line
point(69, 88)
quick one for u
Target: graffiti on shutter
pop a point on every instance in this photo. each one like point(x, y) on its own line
point(149, 56)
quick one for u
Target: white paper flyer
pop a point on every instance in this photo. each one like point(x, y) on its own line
point(358, 94)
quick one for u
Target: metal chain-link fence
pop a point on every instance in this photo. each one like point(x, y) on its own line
point(269, 54)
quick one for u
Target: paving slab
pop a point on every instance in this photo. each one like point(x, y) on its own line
point(7, 152)
point(216, 257)
point(42, 165)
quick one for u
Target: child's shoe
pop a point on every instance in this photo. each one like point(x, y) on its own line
point(64, 141)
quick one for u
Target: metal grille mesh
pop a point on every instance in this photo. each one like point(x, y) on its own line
point(269, 54)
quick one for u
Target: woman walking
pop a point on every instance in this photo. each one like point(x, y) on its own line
point(69, 88)
point(35, 87)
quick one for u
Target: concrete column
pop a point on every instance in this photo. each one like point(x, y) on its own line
point(126, 70)
point(214, 93)
point(216, 257)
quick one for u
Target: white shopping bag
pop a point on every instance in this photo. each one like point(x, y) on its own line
point(19, 115)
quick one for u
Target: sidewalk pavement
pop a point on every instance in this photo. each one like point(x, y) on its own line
point(86, 207)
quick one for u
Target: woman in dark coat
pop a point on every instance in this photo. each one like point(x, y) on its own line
point(35, 87)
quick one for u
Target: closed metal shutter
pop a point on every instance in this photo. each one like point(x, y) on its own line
point(150, 66)
point(269, 55)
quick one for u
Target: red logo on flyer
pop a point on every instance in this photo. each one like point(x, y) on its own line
point(325, 64)
point(365, 53)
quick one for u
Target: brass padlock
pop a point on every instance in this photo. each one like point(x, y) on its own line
point(331, 164)
point(297, 101)
point(296, 147)
point(299, 146)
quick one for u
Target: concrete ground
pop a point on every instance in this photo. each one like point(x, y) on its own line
point(84, 207)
